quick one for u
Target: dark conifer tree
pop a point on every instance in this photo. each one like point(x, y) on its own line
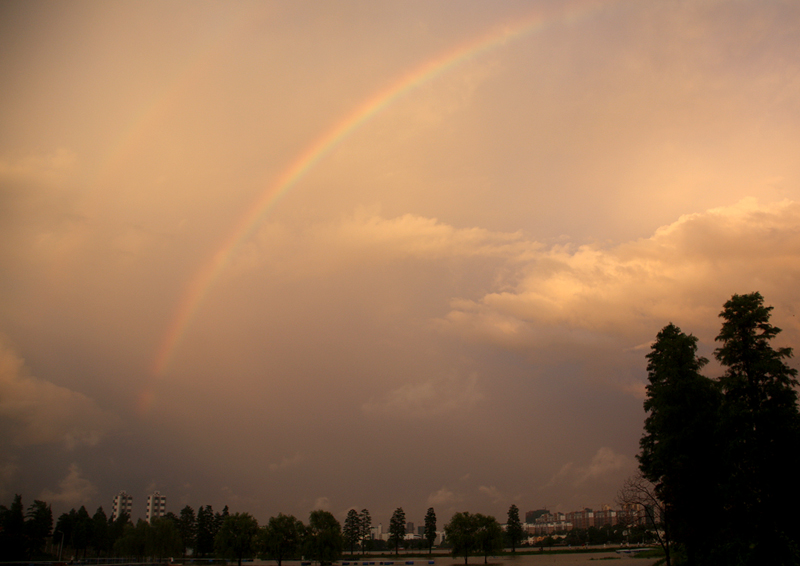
point(365, 524)
point(514, 531)
point(12, 531)
point(352, 529)
point(397, 528)
point(82, 531)
point(678, 453)
point(760, 426)
point(206, 530)
point(100, 539)
point(187, 526)
point(430, 528)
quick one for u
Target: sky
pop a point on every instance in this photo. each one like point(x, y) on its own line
point(286, 256)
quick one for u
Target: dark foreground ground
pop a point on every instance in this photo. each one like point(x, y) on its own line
point(588, 559)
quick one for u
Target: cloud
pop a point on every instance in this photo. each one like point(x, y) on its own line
point(322, 502)
point(434, 397)
point(683, 272)
point(35, 411)
point(73, 489)
point(444, 497)
point(605, 464)
point(416, 236)
point(367, 238)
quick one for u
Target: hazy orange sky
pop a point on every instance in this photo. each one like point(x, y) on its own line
point(296, 255)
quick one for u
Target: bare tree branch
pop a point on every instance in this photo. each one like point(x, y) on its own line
point(639, 500)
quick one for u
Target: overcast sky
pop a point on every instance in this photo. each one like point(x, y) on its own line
point(283, 256)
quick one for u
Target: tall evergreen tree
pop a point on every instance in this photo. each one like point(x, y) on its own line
point(65, 526)
point(352, 529)
point(206, 530)
point(365, 522)
point(678, 453)
point(397, 528)
point(760, 424)
point(82, 531)
point(100, 539)
point(12, 533)
point(187, 526)
point(430, 528)
point(219, 518)
point(38, 526)
point(514, 529)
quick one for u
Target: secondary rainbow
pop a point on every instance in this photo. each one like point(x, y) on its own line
point(204, 279)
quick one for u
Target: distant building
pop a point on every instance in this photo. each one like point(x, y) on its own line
point(123, 503)
point(156, 506)
point(632, 514)
point(531, 516)
point(410, 527)
point(581, 519)
point(550, 523)
point(607, 516)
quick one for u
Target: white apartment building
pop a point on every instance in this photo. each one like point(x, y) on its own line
point(123, 503)
point(156, 506)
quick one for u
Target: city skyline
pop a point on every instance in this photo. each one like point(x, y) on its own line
point(284, 257)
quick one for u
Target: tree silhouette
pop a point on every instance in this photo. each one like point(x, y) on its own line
point(397, 528)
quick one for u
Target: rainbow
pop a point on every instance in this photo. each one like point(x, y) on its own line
point(204, 279)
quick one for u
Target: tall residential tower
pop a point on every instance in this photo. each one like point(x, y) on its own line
point(123, 503)
point(156, 506)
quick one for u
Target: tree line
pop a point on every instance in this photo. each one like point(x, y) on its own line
point(233, 536)
point(23, 534)
point(723, 453)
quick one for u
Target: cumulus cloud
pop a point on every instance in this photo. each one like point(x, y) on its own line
point(323, 502)
point(35, 411)
point(416, 236)
point(74, 489)
point(367, 236)
point(684, 271)
point(444, 497)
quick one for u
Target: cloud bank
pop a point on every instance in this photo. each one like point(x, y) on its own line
point(34, 411)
